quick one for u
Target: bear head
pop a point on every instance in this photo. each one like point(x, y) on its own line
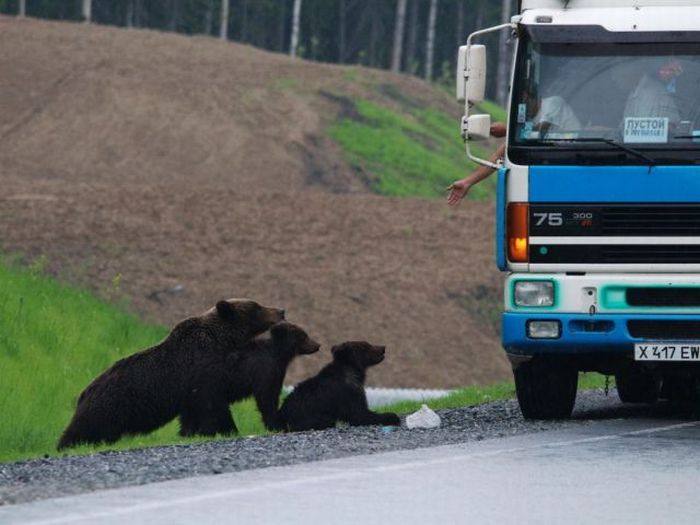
point(248, 316)
point(293, 339)
point(358, 354)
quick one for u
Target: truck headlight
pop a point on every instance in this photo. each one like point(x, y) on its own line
point(534, 293)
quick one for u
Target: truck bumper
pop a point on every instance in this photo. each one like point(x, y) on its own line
point(581, 333)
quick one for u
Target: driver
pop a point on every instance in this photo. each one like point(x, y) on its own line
point(551, 114)
point(556, 115)
point(655, 94)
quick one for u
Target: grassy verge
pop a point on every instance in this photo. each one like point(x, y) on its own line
point(415, 153)
point(54, 340)
point(479, 395)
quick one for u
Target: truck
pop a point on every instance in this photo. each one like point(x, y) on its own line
point(598, 196)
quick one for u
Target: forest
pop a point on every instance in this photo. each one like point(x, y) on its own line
point(416, 37)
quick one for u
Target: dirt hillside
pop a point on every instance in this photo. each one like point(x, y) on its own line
point(168, 172)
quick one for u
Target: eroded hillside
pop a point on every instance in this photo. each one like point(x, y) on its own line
point(168, 172)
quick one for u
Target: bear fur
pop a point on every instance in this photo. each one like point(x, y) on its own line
point(146, 390)
point(258, 371)
point(336, 393)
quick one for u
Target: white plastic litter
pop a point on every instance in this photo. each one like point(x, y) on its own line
point(423, 418)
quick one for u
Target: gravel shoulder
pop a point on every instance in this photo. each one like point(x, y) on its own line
point(56, 477)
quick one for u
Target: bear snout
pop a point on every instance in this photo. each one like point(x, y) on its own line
point(378, 354)
point(311, 347)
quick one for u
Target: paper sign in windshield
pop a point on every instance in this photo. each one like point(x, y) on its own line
point(646, 130)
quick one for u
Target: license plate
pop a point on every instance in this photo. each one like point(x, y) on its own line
point(685, 351)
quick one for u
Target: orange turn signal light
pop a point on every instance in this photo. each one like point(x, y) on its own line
point(517, 231)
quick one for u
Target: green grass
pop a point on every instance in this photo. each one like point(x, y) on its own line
point(246, 414)
point(473, 396)
point(459, 398)
point(54, 340)
point(417, 153)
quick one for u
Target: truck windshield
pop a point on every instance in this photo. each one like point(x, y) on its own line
point(613, 102)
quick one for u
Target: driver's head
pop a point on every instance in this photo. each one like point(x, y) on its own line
point(669, 70)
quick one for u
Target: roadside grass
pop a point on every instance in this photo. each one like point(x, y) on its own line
point(472, 396)
point(245, 413)
point(417, 153)
point(54, 339)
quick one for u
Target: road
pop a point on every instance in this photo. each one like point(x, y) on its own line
point(609, 471)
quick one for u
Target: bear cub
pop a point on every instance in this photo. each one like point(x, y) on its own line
point(258, 371)
point(146, 390)
point(336, 393)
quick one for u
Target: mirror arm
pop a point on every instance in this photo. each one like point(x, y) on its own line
point(483, 162)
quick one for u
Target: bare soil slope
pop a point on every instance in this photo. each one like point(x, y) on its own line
point(169, 172)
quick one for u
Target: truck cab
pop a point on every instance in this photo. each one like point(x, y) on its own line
point(598, 204)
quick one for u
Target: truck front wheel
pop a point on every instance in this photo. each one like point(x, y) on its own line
point(546, 390)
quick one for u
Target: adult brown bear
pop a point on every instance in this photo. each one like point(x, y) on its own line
point(146, 390)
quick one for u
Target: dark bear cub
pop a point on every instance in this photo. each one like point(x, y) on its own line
point(146, 390)
point(258, 371)
point(336, 393)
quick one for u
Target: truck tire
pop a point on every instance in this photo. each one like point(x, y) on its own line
point(545, 390)
point(637, 387)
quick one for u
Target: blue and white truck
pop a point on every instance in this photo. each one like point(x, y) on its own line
point(598, 214)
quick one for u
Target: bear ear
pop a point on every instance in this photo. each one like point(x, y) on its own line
point(226, 310)
point(342, 353)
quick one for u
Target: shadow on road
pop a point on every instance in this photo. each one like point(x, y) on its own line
point(615, 409)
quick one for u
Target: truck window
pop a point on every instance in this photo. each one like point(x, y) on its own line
point(567, 96)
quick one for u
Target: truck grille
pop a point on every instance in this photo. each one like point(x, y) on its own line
point(668, 297)
point(614, 254)
point(664, 330)
point(597, 223)
point(650, 220)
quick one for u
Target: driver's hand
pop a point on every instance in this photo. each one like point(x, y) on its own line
point(457, 191)
point(498, 129)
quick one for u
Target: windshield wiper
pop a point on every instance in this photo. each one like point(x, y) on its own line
point(611, 142)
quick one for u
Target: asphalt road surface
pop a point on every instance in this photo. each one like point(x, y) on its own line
point(608, 471)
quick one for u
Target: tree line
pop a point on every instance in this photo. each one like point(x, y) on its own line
point(416, 37)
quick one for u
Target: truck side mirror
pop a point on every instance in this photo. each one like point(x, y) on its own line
point(478, 127)
point(471, 73)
